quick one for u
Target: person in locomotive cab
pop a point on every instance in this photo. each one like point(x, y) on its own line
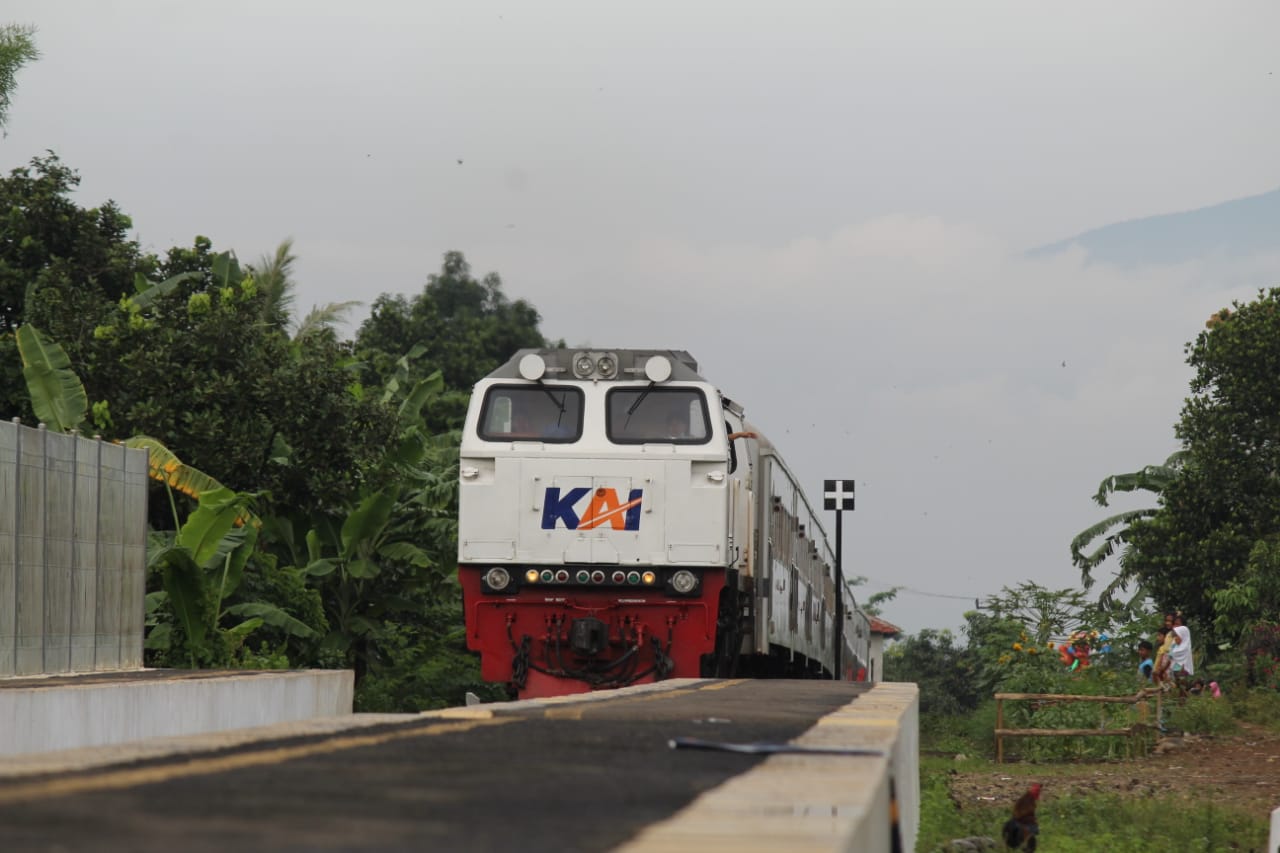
point(522, 425)
point(677, 425)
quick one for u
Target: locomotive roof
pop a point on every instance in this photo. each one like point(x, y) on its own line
point(630, 363)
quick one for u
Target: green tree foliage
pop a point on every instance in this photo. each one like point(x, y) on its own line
point(943, 671)
point(1043, 612)
point(1200, 544)
point(60, 263)
point(199, 367)
point(463, 326)
point(387, 556)
point(427, 665)
point(17, 48)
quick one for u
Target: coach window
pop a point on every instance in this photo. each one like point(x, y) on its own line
point(640, 415)
point(545, 413)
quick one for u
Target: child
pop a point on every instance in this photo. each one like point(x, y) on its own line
point(1160, 673)
point(1145, 663)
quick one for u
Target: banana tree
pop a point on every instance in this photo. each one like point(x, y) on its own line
point(1152, 478)
point(384, 557)
point(201, 568)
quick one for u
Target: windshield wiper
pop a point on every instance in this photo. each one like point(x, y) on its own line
point(559, 403)
point(645, 393)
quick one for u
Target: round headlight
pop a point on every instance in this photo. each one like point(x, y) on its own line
point(607, 366)
point(497, 578)
point(657, 368)
point(532, 367)
point(684, 581)
point(583, 366)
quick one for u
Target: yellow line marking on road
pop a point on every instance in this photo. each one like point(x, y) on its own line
point(114, 781)
point(576, 712)
point(563, 713)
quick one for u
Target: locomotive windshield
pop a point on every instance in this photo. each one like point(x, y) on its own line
point(669, 415)
point(531, 413)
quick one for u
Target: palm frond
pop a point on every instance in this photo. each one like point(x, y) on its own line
point(17, 48)
point(324, 317)
point(274, 276)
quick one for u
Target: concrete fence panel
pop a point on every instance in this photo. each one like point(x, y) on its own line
point(72, 553)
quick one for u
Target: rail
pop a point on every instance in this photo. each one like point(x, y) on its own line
point(1132, 731)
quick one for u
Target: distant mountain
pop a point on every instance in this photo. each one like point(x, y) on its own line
point(1239, 228)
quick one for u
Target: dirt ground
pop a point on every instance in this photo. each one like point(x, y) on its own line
point(1240, 770)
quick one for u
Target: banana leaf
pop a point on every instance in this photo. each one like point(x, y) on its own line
point(57, 395)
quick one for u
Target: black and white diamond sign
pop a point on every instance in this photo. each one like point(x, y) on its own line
point(837, 494)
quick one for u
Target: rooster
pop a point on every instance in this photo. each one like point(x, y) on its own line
point(1020, 831)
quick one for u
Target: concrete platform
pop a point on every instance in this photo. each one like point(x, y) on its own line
point(44, 714)
point(594, 772)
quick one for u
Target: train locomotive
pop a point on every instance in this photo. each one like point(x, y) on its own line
point(620, 521)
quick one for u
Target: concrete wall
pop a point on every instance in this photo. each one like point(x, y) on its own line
point(815, 802)
point(37, 718)
point(72, 553)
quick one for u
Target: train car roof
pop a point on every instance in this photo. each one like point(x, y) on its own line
point(626, 364)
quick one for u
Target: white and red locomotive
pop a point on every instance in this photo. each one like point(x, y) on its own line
point(620, 522)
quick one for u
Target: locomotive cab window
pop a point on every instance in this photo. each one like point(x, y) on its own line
point(531, 413)
point(650, 415)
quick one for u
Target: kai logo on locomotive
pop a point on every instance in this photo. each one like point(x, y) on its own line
point(605, 507)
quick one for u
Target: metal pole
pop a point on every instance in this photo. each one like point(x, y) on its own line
point(839, 599)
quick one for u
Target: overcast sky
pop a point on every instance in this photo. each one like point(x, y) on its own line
point(823, 202)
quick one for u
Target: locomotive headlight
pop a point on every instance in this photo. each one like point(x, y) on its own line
point(684, 582)
point(497, 578)
point(531, 576)
point(657, 368)
point(583, 366)
point(607, 366)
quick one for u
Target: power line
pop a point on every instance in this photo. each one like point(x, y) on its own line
point(914, 591)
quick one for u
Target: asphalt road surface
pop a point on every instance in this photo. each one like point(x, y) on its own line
point(580, 776)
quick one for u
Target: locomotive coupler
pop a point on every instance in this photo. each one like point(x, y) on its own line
point(588, 636)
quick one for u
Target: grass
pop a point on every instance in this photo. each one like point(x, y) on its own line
point(1104, 821)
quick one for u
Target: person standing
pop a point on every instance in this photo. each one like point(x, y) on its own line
point(1145, 662)
point(1183, 665)
point(1160, 673)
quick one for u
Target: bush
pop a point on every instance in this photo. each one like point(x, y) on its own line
point(1259, 706)
point(1203, 715)
point(1262, 656)
point(426, 666)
